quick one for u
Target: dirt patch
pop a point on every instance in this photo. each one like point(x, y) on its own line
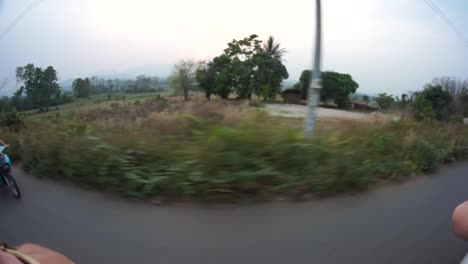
point(288, 110)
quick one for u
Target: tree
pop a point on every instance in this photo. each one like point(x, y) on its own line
point(335, 86)
point(40, 85)
point(225, 76)
point(304, 82)
point(49, 81)
point(183, 77)
point(338, 87)
point(240, 53)
point(246, 67)
point(110, 85)
point(270, 71)
point(432, 103)
point(366, 98)
point(98, 85)
point(385, 101)
point(81, 88)
point(273, 48)
point(457, 89)
point(206, 77)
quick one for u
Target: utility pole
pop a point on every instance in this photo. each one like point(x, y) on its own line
point(315, 81)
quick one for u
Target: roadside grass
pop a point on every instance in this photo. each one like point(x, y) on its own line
point(226, 150)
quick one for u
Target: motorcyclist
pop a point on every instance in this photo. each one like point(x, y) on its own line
point(1, 159)
point(4, 144)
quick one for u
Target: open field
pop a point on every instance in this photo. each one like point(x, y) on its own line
point(101, 100)
point(289, 110)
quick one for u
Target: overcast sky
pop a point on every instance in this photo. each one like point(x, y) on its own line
point(389, 46)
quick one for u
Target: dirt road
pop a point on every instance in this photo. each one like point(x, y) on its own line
point(289, 110)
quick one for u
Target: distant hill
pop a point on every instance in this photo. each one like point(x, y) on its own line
point(66, 84)
point(160, 70)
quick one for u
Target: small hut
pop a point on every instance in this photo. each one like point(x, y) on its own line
point(361, 104)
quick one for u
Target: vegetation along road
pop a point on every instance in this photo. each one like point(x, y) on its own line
point(408, 223)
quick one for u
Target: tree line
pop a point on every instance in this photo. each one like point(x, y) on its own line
point(39, 90)
point(83, 88)
point(246, 67)
point(443, 99)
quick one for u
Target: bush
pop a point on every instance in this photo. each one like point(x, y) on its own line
point(200, 150)
point(424, 155)
point(12, 121)
point(457, 119)
point(433, 103)
point(385, 101)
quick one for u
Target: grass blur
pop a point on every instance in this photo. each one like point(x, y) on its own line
point(225, 150)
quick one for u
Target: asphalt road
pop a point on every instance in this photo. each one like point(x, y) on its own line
point(407, 223)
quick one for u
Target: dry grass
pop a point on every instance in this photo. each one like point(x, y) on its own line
point(196, 148)
point(164, 114)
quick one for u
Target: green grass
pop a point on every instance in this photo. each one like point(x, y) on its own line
point(225, 150)
point(97, 101)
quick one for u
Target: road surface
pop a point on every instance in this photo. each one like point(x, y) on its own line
point(407, 223)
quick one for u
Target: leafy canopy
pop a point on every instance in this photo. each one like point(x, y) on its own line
point(246, 67)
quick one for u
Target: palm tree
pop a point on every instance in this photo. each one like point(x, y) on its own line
point(273, 47)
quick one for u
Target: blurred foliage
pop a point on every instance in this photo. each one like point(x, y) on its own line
point(12, 121)
point(247, 67)
point(336, 87)
point(433, 103)
point(219, 150)
point(385, 101)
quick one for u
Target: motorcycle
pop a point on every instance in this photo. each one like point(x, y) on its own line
point(7, 178)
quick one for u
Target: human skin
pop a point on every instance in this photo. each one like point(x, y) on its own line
point(460, 221)
point(40, 254)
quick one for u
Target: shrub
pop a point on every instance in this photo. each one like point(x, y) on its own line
point(424, 155)
point(218, 150)
point(433, 103)
point(457, 119)
point(385, 101)
point(12, 121)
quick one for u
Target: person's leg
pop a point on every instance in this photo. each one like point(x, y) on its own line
point(44, 255)
point(38, 253)
point(6, 258)
point(460, 220)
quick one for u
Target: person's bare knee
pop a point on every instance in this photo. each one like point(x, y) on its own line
point(460, 220)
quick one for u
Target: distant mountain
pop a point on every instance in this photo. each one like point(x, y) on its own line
point(159, 70)
point(66, 84)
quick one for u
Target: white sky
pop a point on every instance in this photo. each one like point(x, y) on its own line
point(387, 45)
